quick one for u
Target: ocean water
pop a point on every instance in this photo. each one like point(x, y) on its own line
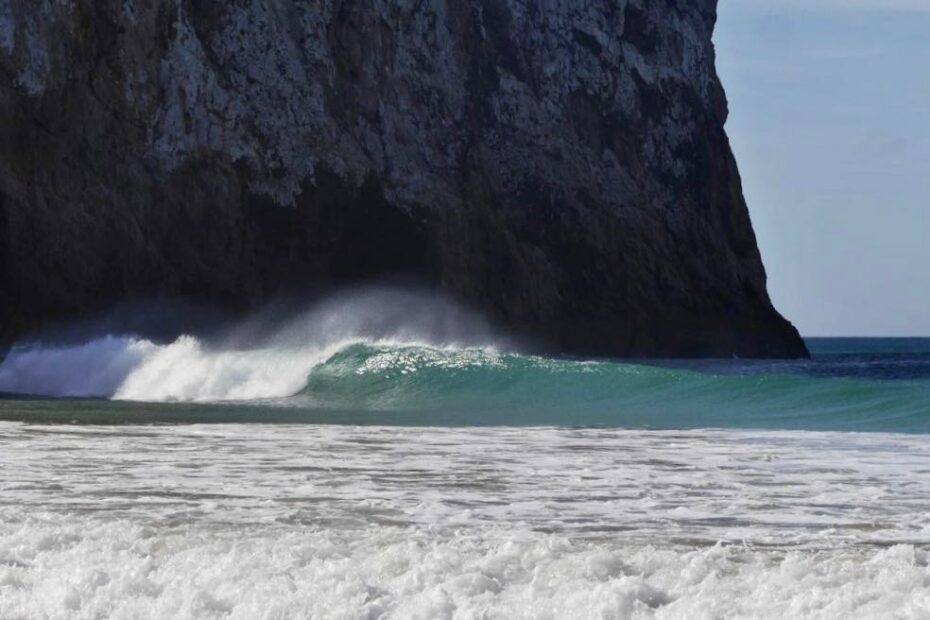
point(387, 455)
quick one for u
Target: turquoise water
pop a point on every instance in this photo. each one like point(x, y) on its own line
point(878, 385)
point(405, 479)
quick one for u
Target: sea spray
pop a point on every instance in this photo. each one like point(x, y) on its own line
point(186, 370)
point(415, 384)
point(268, 355)
point(395, 357)
point(94, 368)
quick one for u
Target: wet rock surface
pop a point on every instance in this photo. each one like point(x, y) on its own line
point(561, 165)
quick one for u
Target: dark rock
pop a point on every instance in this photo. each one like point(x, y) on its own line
point(563, 168)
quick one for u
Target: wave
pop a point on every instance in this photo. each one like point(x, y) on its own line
point(400, 358)
point(480, 386)
point(264, 357)
point(401, 383)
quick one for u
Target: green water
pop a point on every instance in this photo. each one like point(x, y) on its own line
point(849, 385)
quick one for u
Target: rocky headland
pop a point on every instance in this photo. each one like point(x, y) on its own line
point(560, 164)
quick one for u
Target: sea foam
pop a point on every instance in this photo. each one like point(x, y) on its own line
point(85, 569)
point(265, 521)
point(263, 357)
point(392, 357)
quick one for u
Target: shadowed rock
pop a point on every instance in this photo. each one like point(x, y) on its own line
point(561, 165)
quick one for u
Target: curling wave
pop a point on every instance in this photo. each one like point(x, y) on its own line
point(481, 386)
point(264, 357)
point(392, 358)
point(397, 383)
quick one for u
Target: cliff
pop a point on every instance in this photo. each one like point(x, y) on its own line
point(561, 164)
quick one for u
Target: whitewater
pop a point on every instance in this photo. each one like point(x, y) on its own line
point(265, 521)
point(385, 454)
point(263, 357)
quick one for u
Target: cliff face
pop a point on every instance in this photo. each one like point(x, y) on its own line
point(561, 164)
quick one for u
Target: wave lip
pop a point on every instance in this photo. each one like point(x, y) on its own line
point(127, 368)
point(186, 370)
point(264, 357)
point(391, 358)
point(403, 384)
point(397, 382)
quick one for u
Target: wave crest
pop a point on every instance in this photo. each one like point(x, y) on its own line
point(393, 358)
point(264, 357)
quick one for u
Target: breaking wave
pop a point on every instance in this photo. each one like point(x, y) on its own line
point(265, 357)
point(389, 357)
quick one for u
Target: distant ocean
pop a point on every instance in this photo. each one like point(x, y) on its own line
point(369, 477)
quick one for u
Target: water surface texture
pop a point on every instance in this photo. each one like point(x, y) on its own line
point(281, 521)
point(360, 470)
point(878, 385)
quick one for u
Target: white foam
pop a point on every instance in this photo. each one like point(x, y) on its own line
point(76, 569)
point(186, 371)
point(262, 358)
point(263, 521)
point(137, 369)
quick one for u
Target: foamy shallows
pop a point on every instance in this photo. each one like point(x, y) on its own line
point(305, 521)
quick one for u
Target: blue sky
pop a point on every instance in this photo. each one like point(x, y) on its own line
point(830, 123)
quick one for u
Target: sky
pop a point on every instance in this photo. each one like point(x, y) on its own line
point(830, 123)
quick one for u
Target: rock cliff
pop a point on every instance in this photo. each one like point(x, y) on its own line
point(561, 164)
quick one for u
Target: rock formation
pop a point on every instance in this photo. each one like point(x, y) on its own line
point(560, 164)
